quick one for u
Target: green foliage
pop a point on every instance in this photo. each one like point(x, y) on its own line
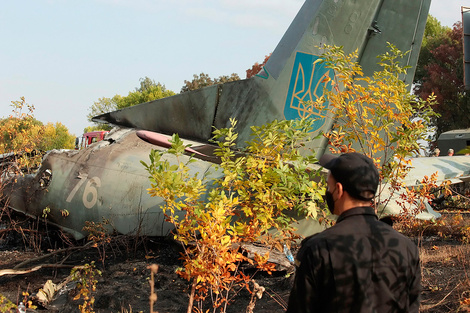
point(17, 130)
point(434, 34)
point(255, 200)
point(45, 212)
point(440, 71)
point(103, 105)
point(85, 276)
point(56, 137)
point(148, 91)
point(204, 80)
point(6, 306)
point(263, 187)
point(198, 82)
point(376, 115)
point(22, 133)
point(226, 78)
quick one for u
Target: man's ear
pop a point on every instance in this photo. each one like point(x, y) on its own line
point(339, 189)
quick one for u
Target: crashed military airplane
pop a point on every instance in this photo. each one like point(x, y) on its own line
point(107, 180)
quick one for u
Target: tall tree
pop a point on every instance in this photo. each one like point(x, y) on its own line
point(199, 81)
point(103, 105)
point(225, 78)
point(256, 68)
point(203, 80)
point(56, 136)
point(440, 71)
point(434, 34)
point(21, 132)
point(147, 91)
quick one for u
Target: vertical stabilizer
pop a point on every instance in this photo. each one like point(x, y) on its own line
point(291, 75)
point(466, 45)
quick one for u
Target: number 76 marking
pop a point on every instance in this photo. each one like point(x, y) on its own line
point(90, 190)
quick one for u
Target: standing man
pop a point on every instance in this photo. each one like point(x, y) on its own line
point(361, 264)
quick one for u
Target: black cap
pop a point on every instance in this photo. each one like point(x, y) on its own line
point(356, 172)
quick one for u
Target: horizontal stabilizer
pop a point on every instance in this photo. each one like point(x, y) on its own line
point(291, 76)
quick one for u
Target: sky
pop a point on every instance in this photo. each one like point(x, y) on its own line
point(63, 55)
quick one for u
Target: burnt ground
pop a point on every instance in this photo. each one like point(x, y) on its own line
point(124, 283)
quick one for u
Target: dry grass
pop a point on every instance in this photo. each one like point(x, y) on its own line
point(445, 260)
point(444, 250)
point(445, 277)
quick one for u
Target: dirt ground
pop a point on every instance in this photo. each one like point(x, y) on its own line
point(124, 283)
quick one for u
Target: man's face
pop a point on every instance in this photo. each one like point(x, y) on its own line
point(331, 183)
point(330, 193)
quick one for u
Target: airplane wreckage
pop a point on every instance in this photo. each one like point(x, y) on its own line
point(107, 180)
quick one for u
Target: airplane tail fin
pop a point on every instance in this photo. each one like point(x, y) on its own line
point(291, 76)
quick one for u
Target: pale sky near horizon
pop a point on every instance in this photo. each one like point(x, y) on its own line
point(64, 55)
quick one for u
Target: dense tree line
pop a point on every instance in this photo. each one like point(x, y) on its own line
point(203, 80)
point(147, 91)
point(440, 72)
point(22, 132)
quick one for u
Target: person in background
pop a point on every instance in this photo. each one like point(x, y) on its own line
point(436, 152)
point(360, 264)
point(450, 152)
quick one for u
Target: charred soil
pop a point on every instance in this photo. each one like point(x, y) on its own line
point(125, 275)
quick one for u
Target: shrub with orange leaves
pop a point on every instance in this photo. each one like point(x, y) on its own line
point(376, 115)
point(21, 133)
point(25, 136)
point(255, 199)
point(413, 200)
